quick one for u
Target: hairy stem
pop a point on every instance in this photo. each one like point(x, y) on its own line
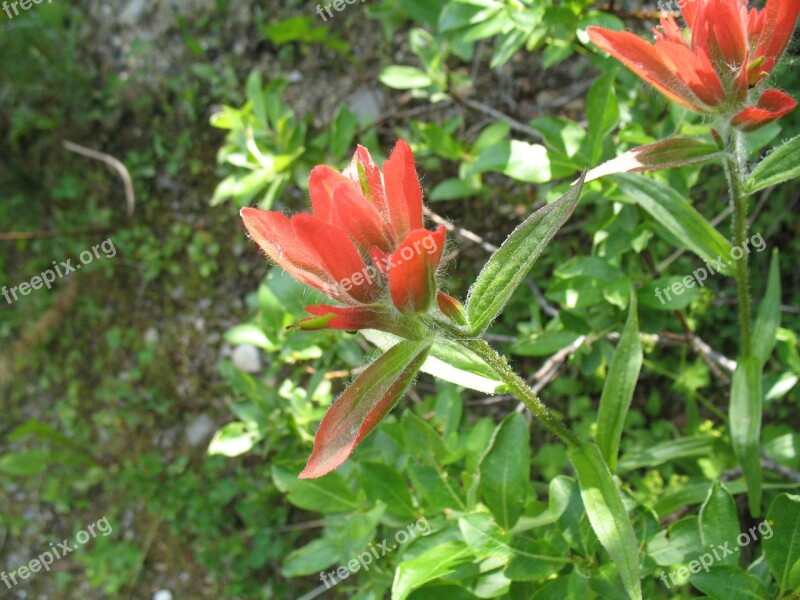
point(735, 172)
point(520, 388)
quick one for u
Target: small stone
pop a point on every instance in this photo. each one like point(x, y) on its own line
point(247, 358)
point(133, 12)
point(365, 103)
point(199, 431)
point(162, 595)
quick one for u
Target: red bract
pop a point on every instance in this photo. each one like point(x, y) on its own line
point(727, 51)
point(364, 245)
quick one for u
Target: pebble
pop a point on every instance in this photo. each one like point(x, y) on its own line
point(247, 358)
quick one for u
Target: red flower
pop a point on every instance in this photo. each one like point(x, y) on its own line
point(728, 50)
point(364, 245)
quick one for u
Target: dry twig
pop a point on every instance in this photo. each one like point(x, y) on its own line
point(111, 162)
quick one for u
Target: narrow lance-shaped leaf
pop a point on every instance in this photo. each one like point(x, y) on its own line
point(674, 152)
point(746, 401)
point(608, 516)
point(781, 165)
point(505, 470)
point(676, 215)
point(719, 521)
point(769, 314)
point(510, 264)
point(362, 405)
point(618, 388)
point(602, 112)
point(745, 423)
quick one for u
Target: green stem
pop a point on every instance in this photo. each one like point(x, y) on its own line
point(520, 388)
point(735, 172)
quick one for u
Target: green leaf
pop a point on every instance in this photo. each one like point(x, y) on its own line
point(729, 583)
point(527, 559)
point(507, 267)
point(544, 343)
point(782, 547)
point(233, 439)
point(781, 165)
point(423, 442)
point(449, 361)
point(769, 315)
point(672, 450)
point(618, 388)
point(362, 406)
point(516, 159)
point(669, 293)
point(484, 536)
point(437, 492)
point(45, 432)
point(603, 113)
point(534, 560)
point(247, 333)
point(255, 94)
point(677, 216)
point(561, 135)
point(311, 558)
point(402, 77)
point(555, 590)
point(676, 546)
point(437, 562)
point(425, 11)
point(382, 482)
point(493, 134)
point(673, 152)
point(505, 470)
point(342, 131)
point(566, 506)
point(25, 464)
point(329, 495)
point(745, 423)
point(719, 522)
point(452, 189)
point(608, 516)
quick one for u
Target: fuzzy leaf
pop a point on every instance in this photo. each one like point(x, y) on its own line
point(781, 165)
point(608, 516)
point(673, 212)
point(769, 314)
point(362, 406)
point(745, 423)
point(674, 152)
point(510, 264)
point(618, 388)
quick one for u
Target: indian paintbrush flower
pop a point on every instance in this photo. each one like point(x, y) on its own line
point(364, 246)
point(720, 64)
